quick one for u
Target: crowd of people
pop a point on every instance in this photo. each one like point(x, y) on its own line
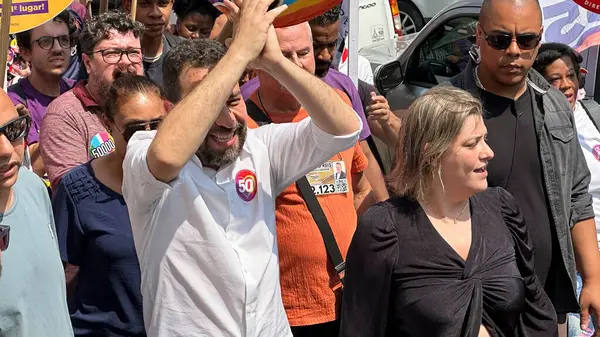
point(216, 176)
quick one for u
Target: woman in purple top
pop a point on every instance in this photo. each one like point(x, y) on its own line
point(92, 221)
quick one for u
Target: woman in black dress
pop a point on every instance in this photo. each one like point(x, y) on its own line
point(447, 256)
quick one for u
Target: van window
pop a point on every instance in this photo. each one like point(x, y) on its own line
point(444, 53)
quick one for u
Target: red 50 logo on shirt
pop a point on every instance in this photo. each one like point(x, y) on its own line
point(245, 185)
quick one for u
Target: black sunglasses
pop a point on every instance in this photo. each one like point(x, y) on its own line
point(16, 129)
point(144, 126)
point(47, 42)
point(501, 41)
point(4, 237)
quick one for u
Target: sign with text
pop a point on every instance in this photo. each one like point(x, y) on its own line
point(26, 15)
point(592, 5)
point(567, 22)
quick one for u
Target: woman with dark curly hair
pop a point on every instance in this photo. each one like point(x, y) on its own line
point(195, 18)
point(560, 65)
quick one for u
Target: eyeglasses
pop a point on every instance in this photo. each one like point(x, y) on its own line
point(16, 129)
point(145, 126)
point(47, 42)
point(114, 56)
point(4, 237)
point(501, 41)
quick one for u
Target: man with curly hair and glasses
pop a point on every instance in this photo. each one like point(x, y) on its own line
point(72, 132)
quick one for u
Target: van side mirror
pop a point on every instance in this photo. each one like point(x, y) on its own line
point(388, 76)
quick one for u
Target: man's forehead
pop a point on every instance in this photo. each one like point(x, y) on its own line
point(295, 35)
point(193, 75)
point(50, 28)
point(122, 40)
point(498, 25)
point(324, 36)
point(510, 14)
point(291, 46)
point(321, 30)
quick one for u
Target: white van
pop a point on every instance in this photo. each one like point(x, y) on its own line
point(375, 22)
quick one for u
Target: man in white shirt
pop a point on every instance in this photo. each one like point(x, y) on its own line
point(201, 189)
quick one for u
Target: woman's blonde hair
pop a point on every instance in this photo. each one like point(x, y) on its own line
point(429, 128)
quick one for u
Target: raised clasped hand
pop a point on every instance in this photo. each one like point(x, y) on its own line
point(253, 32)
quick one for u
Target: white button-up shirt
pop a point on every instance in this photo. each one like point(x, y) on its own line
point(206, 242)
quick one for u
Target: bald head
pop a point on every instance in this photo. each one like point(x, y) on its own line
point(508, 37)
point(299, 30)
point(296, 45)
point(489, 7)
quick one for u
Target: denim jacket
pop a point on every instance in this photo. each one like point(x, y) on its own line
point(566, 175)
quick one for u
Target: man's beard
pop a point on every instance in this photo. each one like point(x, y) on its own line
point(104, 85)
point(322, 68)
point(217, 159)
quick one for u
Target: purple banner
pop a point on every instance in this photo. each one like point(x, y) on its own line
point(27, 8)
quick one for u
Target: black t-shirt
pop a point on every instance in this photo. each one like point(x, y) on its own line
point(517, 168)
point(153, 70)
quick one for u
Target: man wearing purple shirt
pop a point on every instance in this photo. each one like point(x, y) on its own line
point(335, 79)
point(48, 49)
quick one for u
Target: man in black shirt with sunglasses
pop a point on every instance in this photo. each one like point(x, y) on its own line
point(537, 154)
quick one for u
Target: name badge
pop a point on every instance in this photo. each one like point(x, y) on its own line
point(329, 178)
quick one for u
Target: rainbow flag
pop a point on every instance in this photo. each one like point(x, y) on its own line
point(298, 10)
point(303, 10)
point(567, 22)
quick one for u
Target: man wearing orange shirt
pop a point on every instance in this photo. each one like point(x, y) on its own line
point(310, 286)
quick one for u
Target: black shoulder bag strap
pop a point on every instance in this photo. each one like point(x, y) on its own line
point(593, 110)
point(331, 246)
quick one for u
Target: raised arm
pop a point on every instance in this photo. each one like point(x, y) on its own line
point(326, 108)
point(195, 115)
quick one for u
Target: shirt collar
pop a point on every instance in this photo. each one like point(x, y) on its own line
point(534, 80)
point(84, 95)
